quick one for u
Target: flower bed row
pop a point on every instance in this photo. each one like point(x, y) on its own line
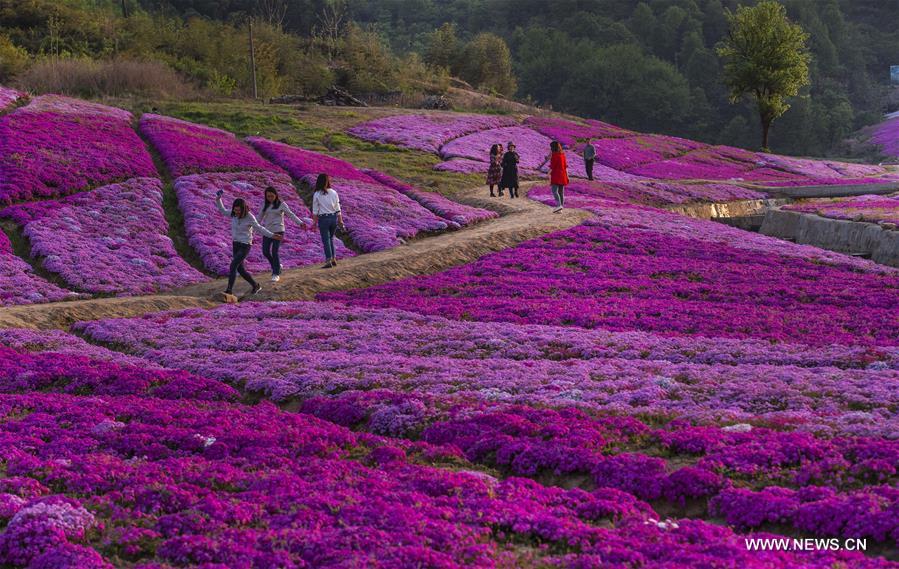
point(111, 240)
point(19, 284)
point(377, 217)
point(299, 351)
point(325, 326)
point(208, 231)
point(427, 132)
point(658, 193)
point(9, 96)
point(574, 135)
point(57, 146)
point(633, 268)
point(886, 135)
point(189, 148)
point(870, 208)
point(454, 212)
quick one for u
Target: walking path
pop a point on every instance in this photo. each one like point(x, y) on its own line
point(519, 220)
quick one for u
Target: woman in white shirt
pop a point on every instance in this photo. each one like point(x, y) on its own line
point(242, 225)
point(272, 218)
point(326, 214)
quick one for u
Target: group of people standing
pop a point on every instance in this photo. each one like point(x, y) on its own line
point(503, 170)
point(326, 216)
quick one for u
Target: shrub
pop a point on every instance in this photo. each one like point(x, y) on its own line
point(114, 78)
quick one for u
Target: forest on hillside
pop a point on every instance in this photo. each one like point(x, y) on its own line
point(647, 65)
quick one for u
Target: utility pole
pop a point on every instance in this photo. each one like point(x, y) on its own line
point(253, 61)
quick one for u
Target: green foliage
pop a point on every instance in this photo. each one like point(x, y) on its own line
point(13, 59)
point(487, 64)
point(765, 57)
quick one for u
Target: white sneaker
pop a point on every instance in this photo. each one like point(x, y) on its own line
point(558, 209)
point(276, 278)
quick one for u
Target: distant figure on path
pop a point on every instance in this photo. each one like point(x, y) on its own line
point(495, 170)
point(510, 172)
point(589, 158)
point(272, 218)
point(242, 225)
point(558, 174)
point(326, 214)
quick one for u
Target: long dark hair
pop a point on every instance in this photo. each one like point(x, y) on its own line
point(322, 183)
point(242, 204)
point(494, 150)
point(276, 203)
point(554, 146)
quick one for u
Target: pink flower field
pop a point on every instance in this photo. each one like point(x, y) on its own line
point(632, 388)
point(189, 148)
point(873, 209)
point(111, 240)
point(55, 146)
point(8, 97)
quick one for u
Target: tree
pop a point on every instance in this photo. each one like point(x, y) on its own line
point(443, 47)
point(766, 58)
point(487, 64)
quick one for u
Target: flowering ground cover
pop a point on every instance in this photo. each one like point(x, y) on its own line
point(57, 146)
point(110, 240)
point(208, 231)
point(454, 212)
point(62, 105)
point(19, 284)
point(307, 349)
point(300, 162)
point(871, 208)
point(189, 148)
point(572, 134)
point(632, 151)
point(647, 191)
point(377, 216)
point(9, 96)
point(427, 132)
point(886, 135)
point(532, 147)
point(633, 267)
point(162, 483)
point(426, 379)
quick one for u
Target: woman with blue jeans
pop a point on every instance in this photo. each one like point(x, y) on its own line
point(242, 225)
point(326, 214)
point(272, 218)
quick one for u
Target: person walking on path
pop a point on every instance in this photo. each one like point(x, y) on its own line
point(589, 158)
point(558, 174)
point(510, 172)
point(495, 170)
point(242, 225)
point(272, 218)
point(326, 214)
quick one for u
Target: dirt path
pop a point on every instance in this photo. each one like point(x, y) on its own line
point(520, 220)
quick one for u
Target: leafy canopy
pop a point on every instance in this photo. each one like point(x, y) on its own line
point(766, 57)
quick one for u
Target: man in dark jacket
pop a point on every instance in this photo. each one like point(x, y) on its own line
point(589, 158)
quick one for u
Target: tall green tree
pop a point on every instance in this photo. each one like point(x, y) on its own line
point(766, 58)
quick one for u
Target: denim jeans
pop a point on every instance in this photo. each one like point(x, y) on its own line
point(559, 194)
point(327, 226)
point(270, 248)
point(240, 252)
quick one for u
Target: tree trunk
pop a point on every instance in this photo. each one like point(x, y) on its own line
point(766, 127)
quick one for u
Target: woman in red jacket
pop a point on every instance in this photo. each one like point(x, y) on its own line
point(558, 174)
